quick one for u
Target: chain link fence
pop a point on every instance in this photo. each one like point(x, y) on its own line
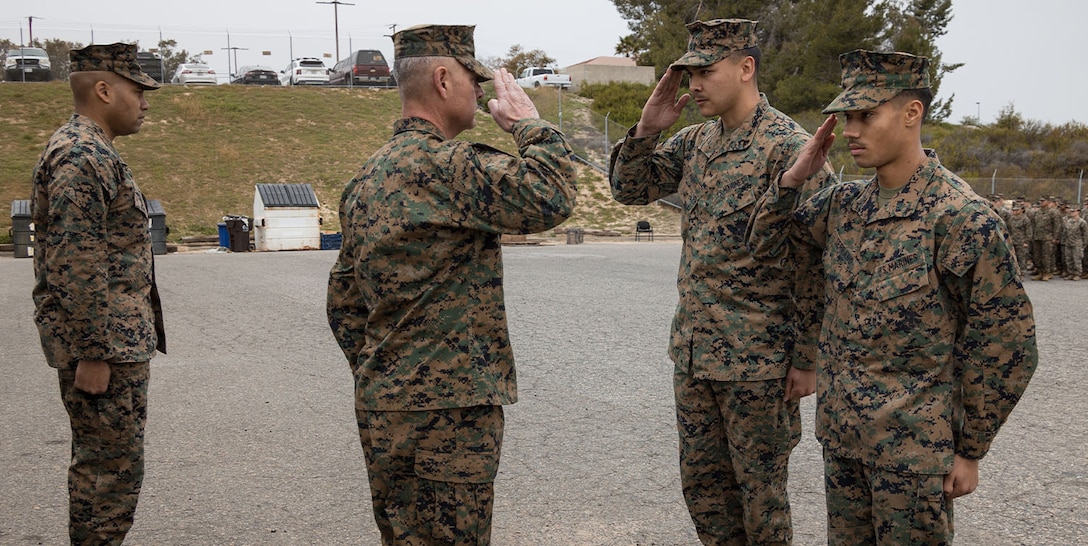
point(593, 135)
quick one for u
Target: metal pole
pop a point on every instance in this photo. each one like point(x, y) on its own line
point(162, 62)
point(559, 92)
point(336, 21)
point(1080, 187)
point(290, 65)
point(993, 183)
point(607, 143)
point(230, 73)
point(841, 167)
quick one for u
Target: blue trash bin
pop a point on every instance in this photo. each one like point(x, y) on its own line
point(224, 235)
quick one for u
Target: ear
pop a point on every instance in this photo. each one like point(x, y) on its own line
point(441, 77)
point(914, 113)
point(747, 68)
point(103, 91)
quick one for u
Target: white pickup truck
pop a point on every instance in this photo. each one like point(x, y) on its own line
point(536, 76)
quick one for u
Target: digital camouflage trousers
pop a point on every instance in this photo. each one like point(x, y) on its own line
point(432, 473)
point(869, 506)
point(107, 468)
point(735, 444)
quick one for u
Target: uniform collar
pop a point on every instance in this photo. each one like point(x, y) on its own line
point(904, 203)
point(717, 141)
point(417, 124)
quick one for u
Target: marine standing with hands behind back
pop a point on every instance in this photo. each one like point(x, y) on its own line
point(415, 299)
point(928, 338)
point(741, 366)
point(97, 305)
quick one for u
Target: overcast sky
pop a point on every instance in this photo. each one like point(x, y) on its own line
point(1026, 54)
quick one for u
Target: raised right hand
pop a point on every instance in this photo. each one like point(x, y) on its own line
point(663, 107)
point(812, 156)
point(510, 104)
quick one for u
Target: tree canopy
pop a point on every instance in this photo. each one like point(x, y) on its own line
point(801, 39)
point(518, 59)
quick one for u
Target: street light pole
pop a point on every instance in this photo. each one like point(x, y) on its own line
point(336, 21)
point(30, 26)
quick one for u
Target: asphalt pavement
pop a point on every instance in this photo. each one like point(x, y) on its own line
point(251, 437)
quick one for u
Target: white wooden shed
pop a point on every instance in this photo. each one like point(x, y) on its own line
point(286, 217)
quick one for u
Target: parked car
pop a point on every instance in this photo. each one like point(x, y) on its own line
point(537, 76)
point(256, 75)
point(194, 74)
point(151, 64)
point(27, 64)
point(362, 67)
point(305, 71)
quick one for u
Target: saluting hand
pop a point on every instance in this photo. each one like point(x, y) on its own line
point(812, 156)
point(663, 108)
point(511, 104)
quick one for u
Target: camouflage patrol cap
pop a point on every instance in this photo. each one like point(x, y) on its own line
point(441, 41)
point(871, 78)
point(712, 41)
point(119, 58)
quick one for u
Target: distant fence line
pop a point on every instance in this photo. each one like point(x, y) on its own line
point(593, 135)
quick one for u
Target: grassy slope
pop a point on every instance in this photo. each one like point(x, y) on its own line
point(202, 149)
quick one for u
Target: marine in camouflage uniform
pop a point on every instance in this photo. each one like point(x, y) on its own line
point(1046, 229)
point(97, 306)
point(1020, 234)
point(1074, 235)
point(928, 338)
point(998, 204)
point(415, 299)
point(740, 365)
point(1083, 213)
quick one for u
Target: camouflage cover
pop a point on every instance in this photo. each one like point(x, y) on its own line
point(712, 41)
point(870, 78)
point(441, 41)
point(119, 58)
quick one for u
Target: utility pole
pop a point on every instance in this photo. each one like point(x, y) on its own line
point(336, 21)
point(229, 49)
point(30, 26)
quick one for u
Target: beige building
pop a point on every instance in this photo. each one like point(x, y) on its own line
point(609, 69)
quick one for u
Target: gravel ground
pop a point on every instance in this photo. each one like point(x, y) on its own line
point(251, 436)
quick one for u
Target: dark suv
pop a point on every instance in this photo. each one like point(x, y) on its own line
point(151, 64)
point(363, 67)
point(27, 64)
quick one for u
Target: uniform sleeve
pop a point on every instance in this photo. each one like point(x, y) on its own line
point(786, 223)
point(343, 305)
point(527, 194)
point(76, 251)
point(996, 354)
point(641, 172)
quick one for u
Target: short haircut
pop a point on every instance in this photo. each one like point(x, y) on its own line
point(923, 95)
point(413, 74)
point(754, 52)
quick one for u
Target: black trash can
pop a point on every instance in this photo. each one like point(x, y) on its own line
point(237, 232)
point(22, 229)
point(159, 230)
point(575, 236)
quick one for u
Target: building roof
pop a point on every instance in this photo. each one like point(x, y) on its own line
point(609, 61)
point(287, 195)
